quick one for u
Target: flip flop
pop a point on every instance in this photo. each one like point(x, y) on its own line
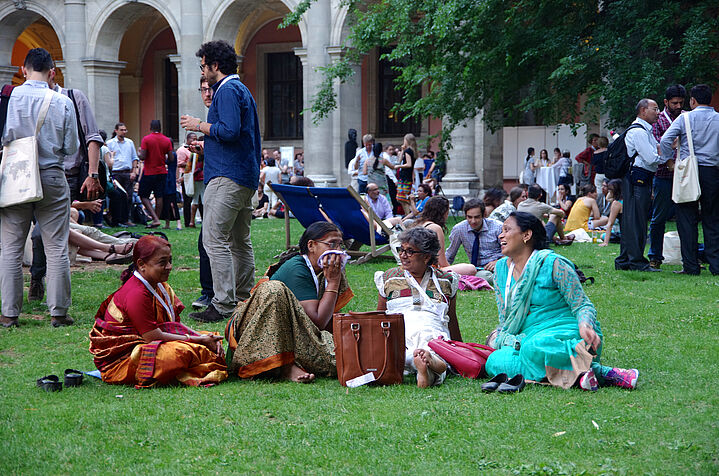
point(156, 225)
point(73, 378)
point(114, 258)
point(50, 383)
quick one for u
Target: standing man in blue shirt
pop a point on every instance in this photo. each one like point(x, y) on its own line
point(637, 189)
point(56, 139)
point(704, 124)
point(232, 172)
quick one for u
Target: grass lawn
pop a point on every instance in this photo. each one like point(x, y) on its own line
point(664, 324)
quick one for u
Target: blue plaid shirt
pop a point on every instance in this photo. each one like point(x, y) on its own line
point(489, 248)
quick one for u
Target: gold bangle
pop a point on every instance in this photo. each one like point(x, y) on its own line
point(187, 337)
point(332, 291)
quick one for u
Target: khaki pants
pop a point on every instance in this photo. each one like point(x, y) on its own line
point(53, 215)
point(226, 238)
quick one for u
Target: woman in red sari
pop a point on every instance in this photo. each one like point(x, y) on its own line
point(138, 339)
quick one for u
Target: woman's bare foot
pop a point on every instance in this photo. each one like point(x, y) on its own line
point(425, 361)
point(293, 373)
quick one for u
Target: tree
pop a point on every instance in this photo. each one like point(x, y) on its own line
point(530, 57)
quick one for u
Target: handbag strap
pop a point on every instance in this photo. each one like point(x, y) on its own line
point(80, 130)
point(355, 327)
point(689, 134)
point(43, 111)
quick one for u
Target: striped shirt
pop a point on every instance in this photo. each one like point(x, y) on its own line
point(664, 120)
point(489, 248)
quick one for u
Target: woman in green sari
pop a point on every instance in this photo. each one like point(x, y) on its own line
point(548, 329)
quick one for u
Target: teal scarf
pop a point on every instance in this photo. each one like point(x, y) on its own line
point(516, 313)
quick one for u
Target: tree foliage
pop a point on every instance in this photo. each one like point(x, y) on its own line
point(547, 61)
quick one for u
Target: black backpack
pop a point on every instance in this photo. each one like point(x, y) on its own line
point(617, 162)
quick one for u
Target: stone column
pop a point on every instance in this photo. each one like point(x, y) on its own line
point(102, 90)
point(319, 164)
point(461, 178)
point(188, 66)
point(6, 74)
point(348, 115)
point(75, 42)
point(488, 156)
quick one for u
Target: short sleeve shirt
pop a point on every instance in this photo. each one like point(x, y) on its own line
point(297, 276)
point(534, 207)
point(157, 146)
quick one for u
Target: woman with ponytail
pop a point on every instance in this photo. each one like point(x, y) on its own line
point(138, 339)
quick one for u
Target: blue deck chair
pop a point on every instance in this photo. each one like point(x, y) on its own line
point(303, 205)
point(344, 207)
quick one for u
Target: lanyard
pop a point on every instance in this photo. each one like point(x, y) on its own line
point(164, 303)
point(314, 275)
point(508, 292)
point(225, 79)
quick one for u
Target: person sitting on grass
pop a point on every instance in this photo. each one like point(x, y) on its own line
point(516, 196)
point(539, 209)
point(284, 329)
point(565, 199)
point(614, 195)
point(584, 210)
point(434, 217)
point(426, 296)
point(548, 329)
point(138, 338)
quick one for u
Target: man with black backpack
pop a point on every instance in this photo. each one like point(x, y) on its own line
point(637, 187)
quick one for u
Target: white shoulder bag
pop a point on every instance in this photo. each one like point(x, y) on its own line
point(189, 178)
point(686, 173)
point(19, 169)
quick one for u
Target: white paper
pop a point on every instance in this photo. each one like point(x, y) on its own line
point(361, 380)
point(289, 154)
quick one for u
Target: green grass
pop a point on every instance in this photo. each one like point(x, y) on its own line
point(665, 325)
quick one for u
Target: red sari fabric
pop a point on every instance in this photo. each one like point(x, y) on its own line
point(123, 356)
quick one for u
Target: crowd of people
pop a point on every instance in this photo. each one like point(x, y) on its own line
point(281, 327)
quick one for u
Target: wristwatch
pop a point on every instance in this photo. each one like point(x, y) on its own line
point(95, 176)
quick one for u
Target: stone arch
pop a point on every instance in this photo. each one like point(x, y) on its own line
point(223, 24)
point(340, 28)
point(14, 21)
point(109, 27)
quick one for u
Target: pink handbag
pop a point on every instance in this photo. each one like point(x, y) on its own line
point(466, 358)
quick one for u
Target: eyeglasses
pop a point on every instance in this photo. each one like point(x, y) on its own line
point(409, 252)
point(204, 90)
point(202, 66)
point(333, 245)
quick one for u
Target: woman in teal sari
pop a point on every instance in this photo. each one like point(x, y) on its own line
point(548, 329)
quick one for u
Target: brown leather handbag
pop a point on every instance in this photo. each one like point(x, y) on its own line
point(369, 343)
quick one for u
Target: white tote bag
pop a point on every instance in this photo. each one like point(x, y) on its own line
point(189, 178)
point(672, 249)
point(19, 169)
point(686, 173)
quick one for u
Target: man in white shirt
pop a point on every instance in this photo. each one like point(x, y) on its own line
point(362, 155)
point(56, 139)
point(637, 189)
point(126, 166)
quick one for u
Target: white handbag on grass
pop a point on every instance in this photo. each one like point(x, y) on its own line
point(686, 173)
point(19, 169)
point(189, 178)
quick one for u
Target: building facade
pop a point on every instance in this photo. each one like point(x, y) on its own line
point(135, 59)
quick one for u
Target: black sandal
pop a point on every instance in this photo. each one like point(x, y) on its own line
point(73, 378)
point(50, 383)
